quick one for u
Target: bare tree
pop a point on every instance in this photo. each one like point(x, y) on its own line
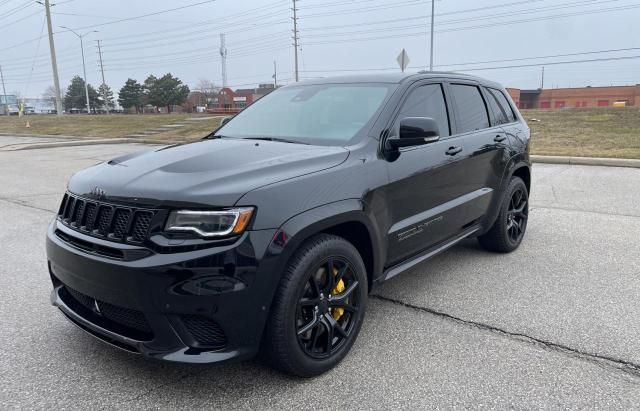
point(50, 95)
point(208, 90)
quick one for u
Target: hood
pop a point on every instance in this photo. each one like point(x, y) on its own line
point(212, 172)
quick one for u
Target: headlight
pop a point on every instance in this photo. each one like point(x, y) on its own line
point(210, 223)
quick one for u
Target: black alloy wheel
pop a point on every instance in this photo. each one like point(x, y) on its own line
point(509, 228)
point(517, 215)
point(319, 307)
point(328, 308)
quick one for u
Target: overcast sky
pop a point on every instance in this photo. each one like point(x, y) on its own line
point(335, 35)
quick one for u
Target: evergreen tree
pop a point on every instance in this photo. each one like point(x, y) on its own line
point(131, 95)
point(95, 99)
point(75, 97)
point(105, 89)
point(165, 91)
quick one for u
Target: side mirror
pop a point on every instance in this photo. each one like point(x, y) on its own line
point(225, 120)
point(415, 131)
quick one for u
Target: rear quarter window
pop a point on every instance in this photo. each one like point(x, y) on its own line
point(504, 106)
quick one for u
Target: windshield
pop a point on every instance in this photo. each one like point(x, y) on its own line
point(326, 114)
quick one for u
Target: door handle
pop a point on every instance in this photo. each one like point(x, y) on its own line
point(499, 138)
point(452, 151)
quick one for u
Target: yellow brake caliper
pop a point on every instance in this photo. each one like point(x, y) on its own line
point(337, 312)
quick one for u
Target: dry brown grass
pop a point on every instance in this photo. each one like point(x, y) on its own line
point(102, 126)
point(586, 132)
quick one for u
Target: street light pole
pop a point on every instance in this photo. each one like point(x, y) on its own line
point(84, 67)
point(433, 10)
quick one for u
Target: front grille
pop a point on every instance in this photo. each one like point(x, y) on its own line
point(104, 220)
point(131, 320)
point(207, 333)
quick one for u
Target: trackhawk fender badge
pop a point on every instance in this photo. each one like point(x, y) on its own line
point(418, 229)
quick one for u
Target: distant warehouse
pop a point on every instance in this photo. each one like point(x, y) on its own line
point(557, 98)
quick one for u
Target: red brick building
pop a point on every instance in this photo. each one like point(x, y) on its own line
point(229, 101)
point(558, 98)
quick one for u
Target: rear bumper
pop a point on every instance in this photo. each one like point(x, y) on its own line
point(202, 306)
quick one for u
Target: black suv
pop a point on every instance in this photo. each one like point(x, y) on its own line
point(269, 234)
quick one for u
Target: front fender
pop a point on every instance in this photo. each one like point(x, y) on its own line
point(290, 236)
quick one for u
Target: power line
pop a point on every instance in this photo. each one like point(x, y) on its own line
point(471, 63)
point(205, 22)
point(364, 9)
point(44, 21)
point(144, 15)
point(492, 25)
point(464, 11)
point(4, 26)
point(16, 10)
point(554, 63)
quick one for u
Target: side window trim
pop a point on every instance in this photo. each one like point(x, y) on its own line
point(484, 100)
point(414, 87)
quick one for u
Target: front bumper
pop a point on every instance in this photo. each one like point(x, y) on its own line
point(201, 306)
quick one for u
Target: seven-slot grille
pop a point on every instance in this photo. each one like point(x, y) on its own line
point(103, 220)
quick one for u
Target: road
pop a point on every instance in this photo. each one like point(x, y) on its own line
point(554, 324)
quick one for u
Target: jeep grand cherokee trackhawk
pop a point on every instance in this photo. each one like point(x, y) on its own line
point(268, 234)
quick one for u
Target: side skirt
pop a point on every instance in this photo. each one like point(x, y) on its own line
point(404, 266)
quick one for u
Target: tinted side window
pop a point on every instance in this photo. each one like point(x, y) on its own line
point(427, 101)
point(504, 103)
point(498, 114)
point(471, 110)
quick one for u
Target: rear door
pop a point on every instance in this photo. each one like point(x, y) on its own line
point(485, 155)
point(424, 179)
point(505, 115)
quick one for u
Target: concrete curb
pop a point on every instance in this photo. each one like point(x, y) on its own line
point(57, 144)
point(587, 161)
point(44, 136)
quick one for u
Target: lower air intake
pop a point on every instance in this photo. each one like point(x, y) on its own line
point(207, 333)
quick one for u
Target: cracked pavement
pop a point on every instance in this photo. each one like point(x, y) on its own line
point(554, 324)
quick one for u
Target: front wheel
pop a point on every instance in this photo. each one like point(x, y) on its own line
point(319, 307)
point(509, 228)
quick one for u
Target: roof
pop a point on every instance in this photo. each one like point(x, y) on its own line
point(395, 78)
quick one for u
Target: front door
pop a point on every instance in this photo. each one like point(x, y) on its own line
point(423, 180)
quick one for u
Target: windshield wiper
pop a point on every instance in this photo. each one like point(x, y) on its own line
point(213, 136)
point(278, 139)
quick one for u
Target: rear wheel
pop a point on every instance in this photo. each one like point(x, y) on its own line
point(318, 309)
point(509, 228)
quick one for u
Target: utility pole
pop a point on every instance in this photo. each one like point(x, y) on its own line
point(275, 75)
point(542, 81)
point(104, 84)
point(84, 67)
point(433, 15)
point(54, 62)
point(4, 92)
point(223, 55)
point(295, 38)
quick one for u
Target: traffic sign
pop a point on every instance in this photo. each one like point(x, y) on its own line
point(403, 60)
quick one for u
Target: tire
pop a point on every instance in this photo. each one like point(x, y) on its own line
point(302, 317)
point(508, 230)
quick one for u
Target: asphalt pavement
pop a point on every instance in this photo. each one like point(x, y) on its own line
point(554, 324)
